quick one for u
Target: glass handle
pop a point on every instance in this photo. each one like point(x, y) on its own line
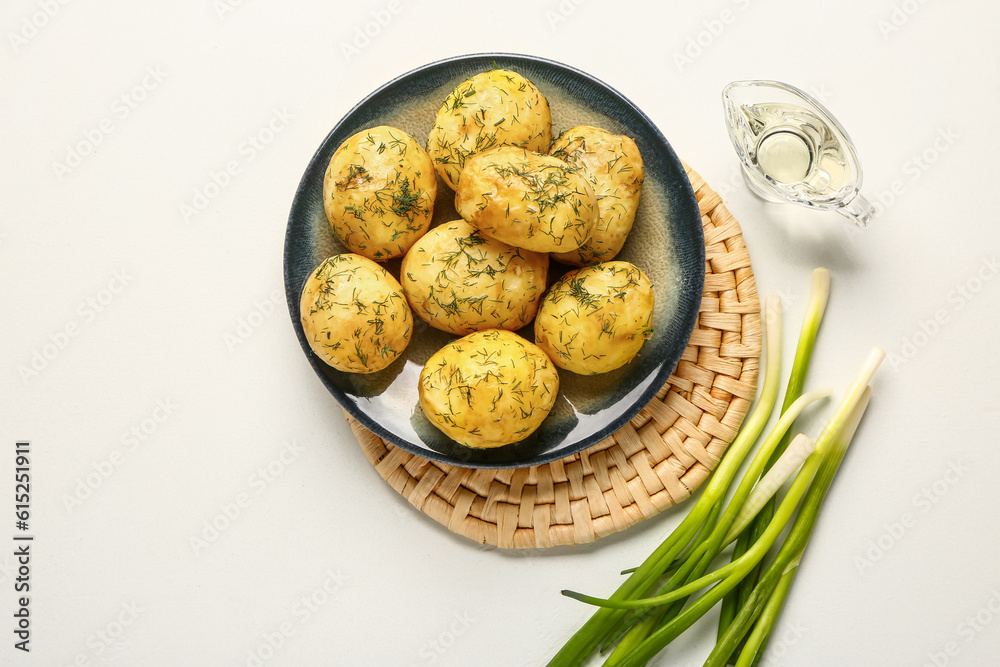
point(858, 210)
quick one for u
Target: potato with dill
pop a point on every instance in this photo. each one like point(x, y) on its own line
point(613, 165)
point(460, 281)
point(526, 199)
point(488, 389)
point(596, 319)
point(378, 192)
point(354, 314)
point(490, 109)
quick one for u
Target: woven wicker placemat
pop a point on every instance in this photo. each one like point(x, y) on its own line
point(653, 462)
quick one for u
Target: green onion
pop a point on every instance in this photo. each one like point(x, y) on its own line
point(832, 443)
point(606, 621)
point(787, 463)
point(753, 649)
point(709, 549)
point(736, 569)
point(699, 559)
point(642, 616)
point(819, 295)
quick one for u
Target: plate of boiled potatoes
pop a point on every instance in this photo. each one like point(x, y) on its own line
point(494, 261)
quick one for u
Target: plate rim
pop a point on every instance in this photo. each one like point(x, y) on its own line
point(688, 322)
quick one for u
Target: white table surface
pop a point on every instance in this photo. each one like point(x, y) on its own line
point(156, 347)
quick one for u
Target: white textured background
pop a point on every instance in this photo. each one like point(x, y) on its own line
point(121, 317)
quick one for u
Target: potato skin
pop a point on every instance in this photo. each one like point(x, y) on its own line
point(526, 199)
point(378, 192)
point(354, 314)
point(613, 165)
point(488, 389)
point(490, 109)
point(460, 281)
point(596, 319)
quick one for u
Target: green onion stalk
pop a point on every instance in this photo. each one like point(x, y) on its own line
point(606, 621)
point(754, 645)
point(768, 595)
point(734, 571)
point(830, 449)
point(800, 449)
point(701, 557)
point(645, 614)
point(818, 298)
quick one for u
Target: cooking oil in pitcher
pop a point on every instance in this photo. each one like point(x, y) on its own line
point(792, 149)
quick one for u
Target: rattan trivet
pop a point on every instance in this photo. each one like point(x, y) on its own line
point(653, 462)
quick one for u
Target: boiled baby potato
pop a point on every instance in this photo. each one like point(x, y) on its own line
point(488, 389)
point(613, 165)
point(459, 281)
point(490, 109)
point(526, 199)
point(596, 319)
point(354, 314)
point(379, 192)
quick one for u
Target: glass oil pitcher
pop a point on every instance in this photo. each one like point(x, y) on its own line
point(793, 150)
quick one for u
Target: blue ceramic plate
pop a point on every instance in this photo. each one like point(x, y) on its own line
point(666, 242)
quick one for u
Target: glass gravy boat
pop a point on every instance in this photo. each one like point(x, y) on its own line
point(793, 150)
